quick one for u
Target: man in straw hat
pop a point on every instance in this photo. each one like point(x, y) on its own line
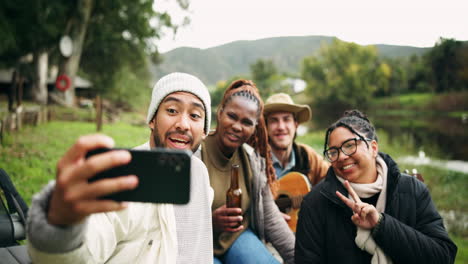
point(283, 117)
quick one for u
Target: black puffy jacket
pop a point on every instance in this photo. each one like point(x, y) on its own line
point(411, 231)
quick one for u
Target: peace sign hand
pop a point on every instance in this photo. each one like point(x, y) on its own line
point(365, 215)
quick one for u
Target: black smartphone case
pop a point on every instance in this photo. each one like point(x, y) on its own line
point(164, 176)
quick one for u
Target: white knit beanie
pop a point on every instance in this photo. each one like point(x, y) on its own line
point(180, 82)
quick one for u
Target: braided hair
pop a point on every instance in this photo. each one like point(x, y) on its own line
point(356, 122)
point(259, 140)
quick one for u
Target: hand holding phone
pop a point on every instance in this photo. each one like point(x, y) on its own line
point(73, 198)
point(163, 176)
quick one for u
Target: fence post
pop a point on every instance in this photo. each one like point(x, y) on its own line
point(19, 118)
point(98, 113)
point(1, 132)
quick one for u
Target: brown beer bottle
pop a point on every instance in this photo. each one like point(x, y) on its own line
point(234, 193)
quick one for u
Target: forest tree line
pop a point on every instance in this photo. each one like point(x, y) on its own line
point(347, 75)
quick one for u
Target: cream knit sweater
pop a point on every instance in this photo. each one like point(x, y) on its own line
point(142, 233)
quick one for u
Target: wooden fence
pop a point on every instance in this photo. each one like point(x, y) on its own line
point(14, 121)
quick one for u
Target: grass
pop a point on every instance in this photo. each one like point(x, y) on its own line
point(72, 114)
point(446, 187)
point(452, 104)
point(30, 156)
point(315, 139)
point(459, 114)
point(462, 253)
point(407, 101)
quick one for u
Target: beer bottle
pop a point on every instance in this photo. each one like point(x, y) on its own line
point(234, 193)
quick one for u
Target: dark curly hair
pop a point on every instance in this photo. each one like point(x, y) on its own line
point(356, 122)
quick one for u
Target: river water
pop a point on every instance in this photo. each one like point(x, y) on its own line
point(422, 159)
point(439, 137)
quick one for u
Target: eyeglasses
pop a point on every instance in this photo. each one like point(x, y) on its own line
point(349, 147)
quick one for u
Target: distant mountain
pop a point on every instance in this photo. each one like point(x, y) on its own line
point(224, 61)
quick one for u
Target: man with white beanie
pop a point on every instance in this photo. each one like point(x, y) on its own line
point(68, 223)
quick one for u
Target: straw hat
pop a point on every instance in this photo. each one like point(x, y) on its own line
point(282, 102)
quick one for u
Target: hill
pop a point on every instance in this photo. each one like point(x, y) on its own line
point(224, 61)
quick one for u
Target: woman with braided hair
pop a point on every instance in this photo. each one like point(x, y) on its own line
point(366, 211)
point(241, 138)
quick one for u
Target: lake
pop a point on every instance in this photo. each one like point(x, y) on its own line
point(440, 137)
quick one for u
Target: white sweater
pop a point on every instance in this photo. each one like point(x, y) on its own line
point(142, 233)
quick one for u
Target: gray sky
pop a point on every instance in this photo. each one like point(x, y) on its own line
point(399, 22)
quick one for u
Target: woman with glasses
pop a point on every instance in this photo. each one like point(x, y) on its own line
point(366, 211)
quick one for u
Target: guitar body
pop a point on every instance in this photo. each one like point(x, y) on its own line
point(292, 188)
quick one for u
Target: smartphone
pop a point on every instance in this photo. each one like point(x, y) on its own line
point(163, 175)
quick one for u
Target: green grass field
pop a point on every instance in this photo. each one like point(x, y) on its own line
point(30, 156)
point(453, 104)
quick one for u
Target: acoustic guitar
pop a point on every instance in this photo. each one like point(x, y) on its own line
point(292, 188)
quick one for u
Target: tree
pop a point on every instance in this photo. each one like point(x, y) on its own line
point(462, 73)
point(344, 75)
point(218, 91)
point(121, 40)
point(77, 25)
point(31, 27)
point(113, 36)
point(398, 81)
point(266, 77)
point(418, 75)
point(447, 63)
point(262, 72)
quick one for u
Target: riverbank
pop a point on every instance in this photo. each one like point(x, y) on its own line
point(454, 104)
point(422, 159)
point(449, 197)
